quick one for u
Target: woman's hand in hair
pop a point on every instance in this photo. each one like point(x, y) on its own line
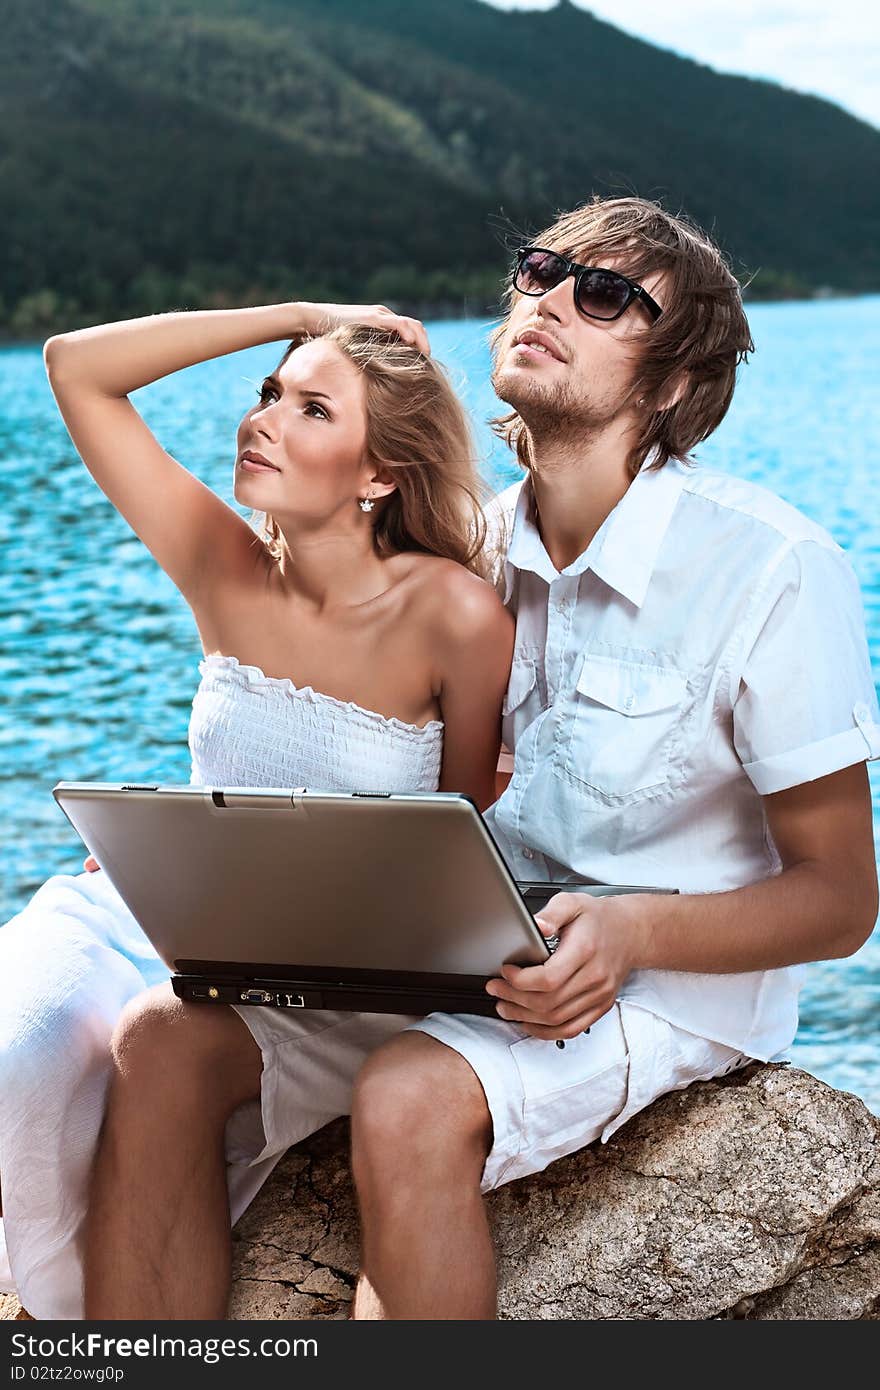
point(323, 318)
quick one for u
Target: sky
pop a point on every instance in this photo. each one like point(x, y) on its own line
point(832, 50)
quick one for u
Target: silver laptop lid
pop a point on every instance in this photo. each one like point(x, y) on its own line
point(277, 875)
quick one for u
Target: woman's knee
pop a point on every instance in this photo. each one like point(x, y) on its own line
point(61, 990)
point(41, 1039)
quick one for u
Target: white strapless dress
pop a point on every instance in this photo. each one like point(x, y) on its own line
point(71, 960)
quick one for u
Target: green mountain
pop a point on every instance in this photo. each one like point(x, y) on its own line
point(182, 153)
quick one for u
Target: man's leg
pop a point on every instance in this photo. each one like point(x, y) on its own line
point(158, 1234)
point(420, 1133)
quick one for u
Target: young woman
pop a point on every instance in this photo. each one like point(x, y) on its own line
point(350, 644)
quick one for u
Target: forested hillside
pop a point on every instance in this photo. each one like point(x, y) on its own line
point(183, 153)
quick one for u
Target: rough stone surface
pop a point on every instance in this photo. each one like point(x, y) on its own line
point(756, 1197)
point(10, 1309)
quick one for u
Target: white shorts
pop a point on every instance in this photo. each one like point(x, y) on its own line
point(545, 1101)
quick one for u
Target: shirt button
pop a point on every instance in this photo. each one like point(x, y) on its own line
point(861, 711)
point(528, 854)
point(629, 701)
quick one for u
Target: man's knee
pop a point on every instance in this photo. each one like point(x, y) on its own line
point(162, 1044)
point(417, 1100)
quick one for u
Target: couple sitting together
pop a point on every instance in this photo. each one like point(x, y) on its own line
point(675, 659)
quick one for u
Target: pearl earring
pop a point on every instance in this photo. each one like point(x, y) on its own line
point(366, 504)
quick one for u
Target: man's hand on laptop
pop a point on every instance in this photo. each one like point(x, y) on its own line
point(91, 865)
point(583, 977)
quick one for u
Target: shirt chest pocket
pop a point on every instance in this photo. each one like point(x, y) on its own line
point(624, 727)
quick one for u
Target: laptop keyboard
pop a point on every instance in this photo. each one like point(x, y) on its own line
point(535, 897)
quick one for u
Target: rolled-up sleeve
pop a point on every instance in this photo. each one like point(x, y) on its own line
point(805, 704)
point(505, 760)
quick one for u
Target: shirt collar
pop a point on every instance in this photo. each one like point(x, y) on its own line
point(623, 552)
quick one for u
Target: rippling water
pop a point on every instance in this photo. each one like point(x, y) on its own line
point(99, 653)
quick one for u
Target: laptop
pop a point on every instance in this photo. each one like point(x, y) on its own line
point(294, 899)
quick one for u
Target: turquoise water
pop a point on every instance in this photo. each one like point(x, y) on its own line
point(99, 653)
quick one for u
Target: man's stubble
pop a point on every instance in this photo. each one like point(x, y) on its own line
point(560, 418)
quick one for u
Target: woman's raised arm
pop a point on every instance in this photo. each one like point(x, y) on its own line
point(195, 537)
point(191, 532)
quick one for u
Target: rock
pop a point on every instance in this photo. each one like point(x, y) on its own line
point(11, 1310)
point(755, 1196)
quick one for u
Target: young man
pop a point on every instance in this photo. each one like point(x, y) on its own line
point(690, 706)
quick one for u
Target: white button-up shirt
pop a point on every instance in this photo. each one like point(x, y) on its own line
point(706, 649)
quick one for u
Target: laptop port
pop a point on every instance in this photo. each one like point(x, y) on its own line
point(256, 996)
point(291, 1001)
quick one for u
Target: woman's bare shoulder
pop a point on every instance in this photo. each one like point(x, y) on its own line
point(455, 601)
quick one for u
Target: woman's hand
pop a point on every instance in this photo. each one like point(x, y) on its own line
point(322, 318)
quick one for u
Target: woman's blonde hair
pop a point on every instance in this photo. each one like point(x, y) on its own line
point(419, 433)
point(702, 336)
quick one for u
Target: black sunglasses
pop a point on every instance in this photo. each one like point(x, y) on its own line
point(600, 294)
